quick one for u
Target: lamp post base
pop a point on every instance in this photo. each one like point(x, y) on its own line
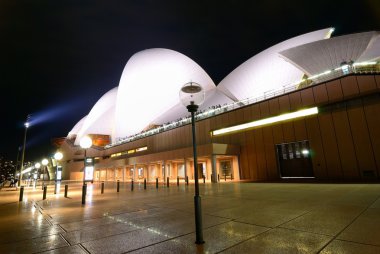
point(198, 220)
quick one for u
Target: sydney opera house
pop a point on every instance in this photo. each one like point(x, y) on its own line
point(307, 107)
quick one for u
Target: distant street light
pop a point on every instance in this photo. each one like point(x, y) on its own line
point(85, 143)
point(58, 156)
point(37, 166)
point(44, 162)
point(26, 124)
point(192, 95)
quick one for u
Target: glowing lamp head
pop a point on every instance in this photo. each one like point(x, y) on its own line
point(58, 156)
point(85, 142)
point(37, 165)
point(26, 125)
point(192, 94)
point(305, 152)
point(44, 162)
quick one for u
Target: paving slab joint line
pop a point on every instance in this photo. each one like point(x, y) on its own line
point(334, 237)
point(64, 239)
point(84, 248)
point(245, 240)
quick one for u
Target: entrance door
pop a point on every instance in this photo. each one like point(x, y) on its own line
point(294, 159)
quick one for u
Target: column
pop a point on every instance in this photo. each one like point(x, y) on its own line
point(213, 168)
point(185, 166)
point(164, 169)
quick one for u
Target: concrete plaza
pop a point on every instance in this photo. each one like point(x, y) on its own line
point(237, 218)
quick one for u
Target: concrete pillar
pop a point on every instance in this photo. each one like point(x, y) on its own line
point(134, 172)
point(164, 169)
point(123, 173)
point(213, 168)
point(185, 166)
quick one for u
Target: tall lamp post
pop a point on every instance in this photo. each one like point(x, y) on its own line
point(44, 163)
point(57, 156)
point(192, 95)
point(85, 143)
point(26, 124)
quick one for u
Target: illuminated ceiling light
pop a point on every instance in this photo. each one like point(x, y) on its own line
point(305, 152)
point(266, 121)
point(364, 63)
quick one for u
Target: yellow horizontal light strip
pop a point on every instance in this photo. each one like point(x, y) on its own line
point(141, 149)
point(280, 118)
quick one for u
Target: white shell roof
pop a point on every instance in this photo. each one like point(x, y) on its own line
point(213, 98)
point(372, 52)
point(149, 87)
point(77, 127)
point(267, 71)
point(320, 56)
point(100, 120)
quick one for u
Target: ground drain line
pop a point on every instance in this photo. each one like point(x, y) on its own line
point(334, 237)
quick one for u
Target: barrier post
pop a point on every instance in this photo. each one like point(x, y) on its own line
point(66, 189)
point(102, 189)
point(167, 182)
point(44, 194)
point(118, 186)
point(132, 185)
point(21, 193)
point(84, 192)
point(144, 183)
point(156, 182)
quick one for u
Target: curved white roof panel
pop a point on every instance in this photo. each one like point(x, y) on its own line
point(372, 52)
point(320, 56)
point(267, 71)
point(77, 127)
point(213, 98)
point(149, 87)
point(100, 120)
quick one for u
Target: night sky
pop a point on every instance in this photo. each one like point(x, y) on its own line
point(59, 57)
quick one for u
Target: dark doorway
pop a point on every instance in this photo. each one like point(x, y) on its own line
point(294, 159)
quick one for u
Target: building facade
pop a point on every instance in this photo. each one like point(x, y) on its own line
point(324, 127)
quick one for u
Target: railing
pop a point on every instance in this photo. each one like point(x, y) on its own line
point(360, 68)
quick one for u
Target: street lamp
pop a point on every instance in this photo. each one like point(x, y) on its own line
point(85, 143)
point(37, 166)
point(192, 95)
point(58, 156)
point(44, 163)
point(26, 124)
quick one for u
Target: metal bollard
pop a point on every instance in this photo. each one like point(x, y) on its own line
point(118, 186)
point(21, 193)
point(102, 190)
point(231, 177)
point(42, 186)
point(144, 183)
point(187, 180)
point(66, 190)
point(44, 194)
point(132, 185)
point(84, 192)
point(55, 188)
point(204, 179)
point(225, 177)
point(177, 180)
point(218, 178)
point(156, 182)
point(167, 181)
